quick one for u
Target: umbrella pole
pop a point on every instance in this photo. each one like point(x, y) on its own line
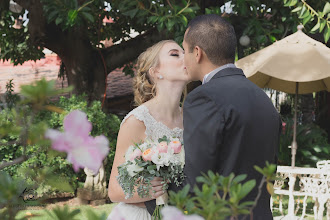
point(294, 142)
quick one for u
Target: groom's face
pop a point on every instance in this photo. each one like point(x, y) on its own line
point(189, 61)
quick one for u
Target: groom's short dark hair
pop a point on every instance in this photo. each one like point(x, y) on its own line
point(215, 36)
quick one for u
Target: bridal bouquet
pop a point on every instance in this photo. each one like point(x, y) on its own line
point(163, 158)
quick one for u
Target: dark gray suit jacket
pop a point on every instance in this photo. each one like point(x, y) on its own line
point(230, 125)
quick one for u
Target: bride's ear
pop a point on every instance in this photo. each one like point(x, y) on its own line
point(153, 73)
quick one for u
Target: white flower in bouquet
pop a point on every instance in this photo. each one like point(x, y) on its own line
point(162, 159)
point(134, 169)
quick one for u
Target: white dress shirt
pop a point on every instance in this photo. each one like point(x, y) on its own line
point(209, 76)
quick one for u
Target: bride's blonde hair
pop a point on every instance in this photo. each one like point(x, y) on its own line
point(143, 84)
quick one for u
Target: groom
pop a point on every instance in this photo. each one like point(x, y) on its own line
point(230, 124)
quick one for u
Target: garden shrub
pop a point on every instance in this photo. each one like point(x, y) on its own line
point(106, 124)
point(312, 144)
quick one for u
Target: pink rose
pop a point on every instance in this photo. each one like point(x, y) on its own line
point(162, 147)
point(136, 153)
point(176, 146)
point(147, 154)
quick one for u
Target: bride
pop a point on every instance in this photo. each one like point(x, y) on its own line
point(158, 86)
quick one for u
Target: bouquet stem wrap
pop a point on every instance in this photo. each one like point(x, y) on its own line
point(162, 200)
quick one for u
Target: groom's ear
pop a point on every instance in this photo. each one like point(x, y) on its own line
point(198, 54)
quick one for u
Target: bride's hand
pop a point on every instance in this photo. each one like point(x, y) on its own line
point(157, 187)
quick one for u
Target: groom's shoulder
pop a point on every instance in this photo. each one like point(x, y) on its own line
point(201, 94)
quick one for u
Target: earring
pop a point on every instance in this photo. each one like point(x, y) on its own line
point(160, 77)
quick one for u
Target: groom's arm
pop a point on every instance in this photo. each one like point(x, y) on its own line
point(203, 125)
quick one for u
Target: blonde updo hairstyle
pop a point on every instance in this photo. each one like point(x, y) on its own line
point(143, 84)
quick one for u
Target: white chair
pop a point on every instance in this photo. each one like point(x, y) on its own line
point(278, 189)
point(323, 164)
point(318, 188)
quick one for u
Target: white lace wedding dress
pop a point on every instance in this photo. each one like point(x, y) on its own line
point(154, 130)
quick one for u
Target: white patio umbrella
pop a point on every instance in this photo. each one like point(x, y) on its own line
point(296, 64)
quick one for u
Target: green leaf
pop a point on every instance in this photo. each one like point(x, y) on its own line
point(88, 16)
point(188, 10)
point(152, 19)
point(307, 19)
point(316, 27)
point(131, 13)
point(246, 188)
point(58, 20)
point(272, 38)
point(72, 16)
point(184, 19)
point(293, 3)
point(51, 16)
point(326, 34)
point(239, 178)
point(317, 149)
point(170, 24)
point(259, 169)
point(326, 8)
point(304, 12)
point(322, 25)
point(297, 9)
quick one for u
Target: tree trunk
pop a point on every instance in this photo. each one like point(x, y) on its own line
point(323, 111)
point(307, 108)
point(84, 68)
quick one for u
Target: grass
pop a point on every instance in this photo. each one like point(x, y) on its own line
point(99, 210)
point(107, 208)
point(309, 209)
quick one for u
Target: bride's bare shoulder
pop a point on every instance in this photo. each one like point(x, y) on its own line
point(132, 128)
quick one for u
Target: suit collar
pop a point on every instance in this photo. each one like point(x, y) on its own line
point(228, 72)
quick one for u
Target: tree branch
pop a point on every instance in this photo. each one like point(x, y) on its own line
point(262, 182)
point(125, 52)
point(15, 161)
point(24, 3)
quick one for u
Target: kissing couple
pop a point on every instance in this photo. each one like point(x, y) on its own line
point(227, 124)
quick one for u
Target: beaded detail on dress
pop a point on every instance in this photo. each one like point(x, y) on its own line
point(154, 129)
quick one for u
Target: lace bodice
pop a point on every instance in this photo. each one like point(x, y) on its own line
point(154, 129)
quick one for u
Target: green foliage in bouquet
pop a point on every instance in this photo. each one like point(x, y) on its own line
point(221, 197)
point(312, 143)
point(137, 174)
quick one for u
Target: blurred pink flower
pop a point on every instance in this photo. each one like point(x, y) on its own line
point(176, 146)
point(116, 214)
point(136, 153)
point(172, 213)
point(162, 147)
point(83, 150)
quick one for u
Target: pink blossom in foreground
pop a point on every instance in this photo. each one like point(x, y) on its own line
point(172, 213)
point(83, 150)
point(116, 214)
point(176, 146)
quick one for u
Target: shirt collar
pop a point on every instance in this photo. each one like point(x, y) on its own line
point(209, 76)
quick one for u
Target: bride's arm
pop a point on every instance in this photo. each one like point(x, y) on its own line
point(132, 131)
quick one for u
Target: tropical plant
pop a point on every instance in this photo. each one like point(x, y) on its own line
point(312, 144)
point(219, 197)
